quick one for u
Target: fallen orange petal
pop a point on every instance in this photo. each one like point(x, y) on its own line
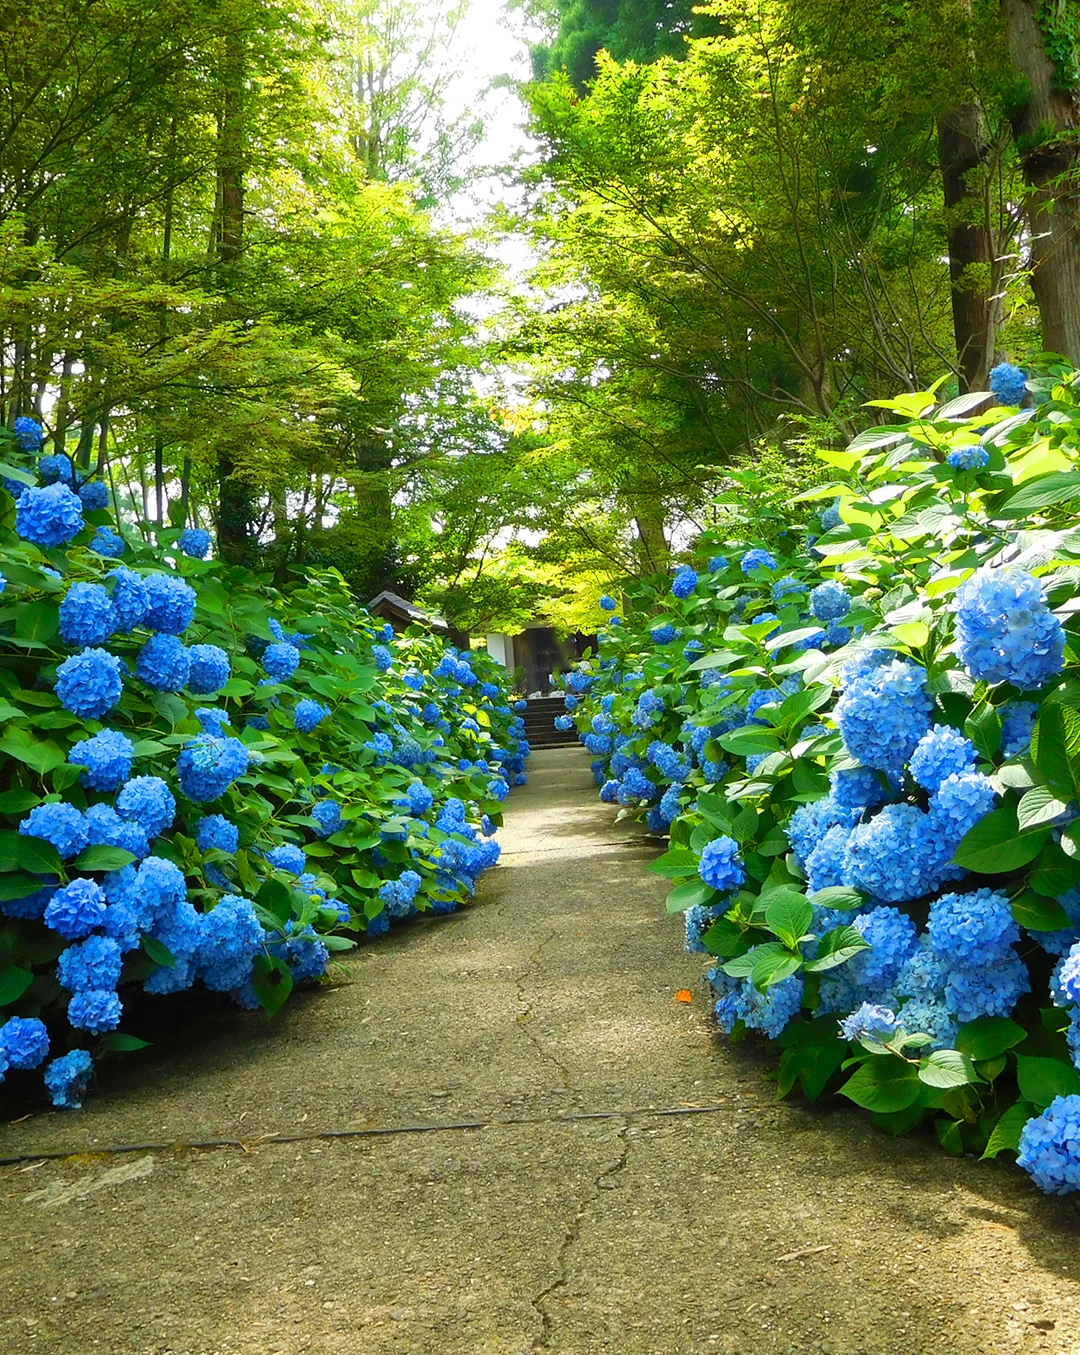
point(684, 995)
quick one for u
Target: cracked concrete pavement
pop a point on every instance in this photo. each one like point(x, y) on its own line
point(755, 1229)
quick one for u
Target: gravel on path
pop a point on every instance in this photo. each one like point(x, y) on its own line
point(750, 1228)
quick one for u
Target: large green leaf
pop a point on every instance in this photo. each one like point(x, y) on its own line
point(988, 1036)
point(947, 1068)
point(750, 739)
point(272, 981)
point(1041, 492)
point(37, 856)
point(675, 862)
point(790, 916)
point(100, 857)
point(691, 894)
point(14, 981)
point(37, 621)
point(1043, 1079)
point(883, 1083)
point(1037, 806)
point(996, 843)
point(773, 968)
point(1005, 1135)
point(159, 952)
point(836, 946)
point(1039, 914)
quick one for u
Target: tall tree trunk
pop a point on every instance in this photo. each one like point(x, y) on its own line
point(236, 543)
point(1045, 127)
point(963, 152)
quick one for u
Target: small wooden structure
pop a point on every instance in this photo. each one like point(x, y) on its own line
point(401, 613)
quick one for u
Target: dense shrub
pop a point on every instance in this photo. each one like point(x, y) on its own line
point(204, 779)
point(865, 748)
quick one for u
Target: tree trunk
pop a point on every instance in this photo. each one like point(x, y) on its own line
point(963, 152)
point(1045, 126)
point(236, 543)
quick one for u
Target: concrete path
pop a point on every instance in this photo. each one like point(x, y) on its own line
point(754, 1229)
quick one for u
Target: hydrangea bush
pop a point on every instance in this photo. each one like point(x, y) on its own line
point(862, 739)
point(206, 781)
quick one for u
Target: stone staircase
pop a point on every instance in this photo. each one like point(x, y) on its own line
point(540, 728)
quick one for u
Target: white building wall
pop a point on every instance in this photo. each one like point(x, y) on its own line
point(501, 649)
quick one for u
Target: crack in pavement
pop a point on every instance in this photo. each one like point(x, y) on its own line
point(525, 1008)
point(541, 1301)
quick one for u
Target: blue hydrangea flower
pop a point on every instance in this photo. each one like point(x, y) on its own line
point(287, 857)
point(48, 517)
point(608, 603)
point(107, 758)
point(56, 469)
point(214, 831)
point(172, 603)
point(1050, 1146)
point(757, 559)
point(67, 1079)
point(87, 615)
point(105, 828)
point(148, 801)
point(93, 963)
point(107, 543)
point(1005, 632)
point(281, 661)
point(958, 805)
point(89, 683)
point(194, 541)
point(928, 1015)
point(636, 786)
point(76, 910)
point(564, 723)
point(870, 1022)
point(209, 670)
point(830, 601)
point(384, 660)
point(164, 663)
point(1008, 383)
point(1017, 726)
point(892, 937)
point(158, 890)
point(29, 434)
point(972, 929)
point(208, 765)
point(302, 950)
point(665, 634)
point(95, 1010)
point(720, 865)
point(970, 457)
point(94, 495)
point(810, 822)
point(24, 1042)
point(327, 816)
point(717, 563)
point(993, 990)
point(230, 939)
point(825, 864)
point(684, 583)
point(130, 599)
point(883, 714)
point(61, 824)
point(308, 714)
point(857, 788)
point(830, 517)
point(894, 857)
point(940, 753)
point(1067, 979)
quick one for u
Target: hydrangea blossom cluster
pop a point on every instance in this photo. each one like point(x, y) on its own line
point(1005, 632)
